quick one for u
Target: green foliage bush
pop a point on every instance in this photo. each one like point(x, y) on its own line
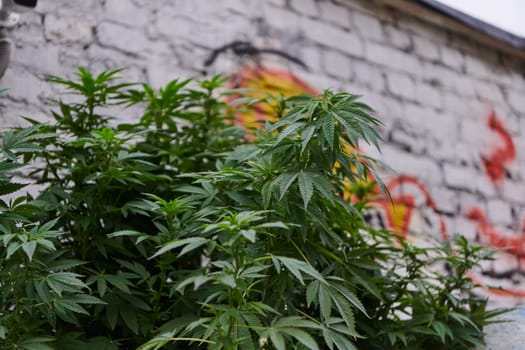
point(175, 232)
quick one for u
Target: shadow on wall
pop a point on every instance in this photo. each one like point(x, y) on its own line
point(412, 213)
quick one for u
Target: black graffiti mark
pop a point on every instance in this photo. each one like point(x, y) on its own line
point(242, 48)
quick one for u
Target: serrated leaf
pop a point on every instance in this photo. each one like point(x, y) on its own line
point(189, 244)
point(324, 186)
point(328, 130)
point(306, 136)
point(325, 302)
point(302, 337)
point(289, 130)
point(345, 310)
point(351, 297)
point(306, 187)
point(285, 181)
point(311, 292)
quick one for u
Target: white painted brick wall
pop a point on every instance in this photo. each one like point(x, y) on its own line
point(368, 26)
point(401, 85)
point(432, 88)
point(500, 212)
point(67, 29)
point(337, 65)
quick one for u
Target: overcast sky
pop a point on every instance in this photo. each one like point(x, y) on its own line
point(506, 14)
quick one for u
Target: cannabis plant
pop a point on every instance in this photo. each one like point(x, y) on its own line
point(183, 231)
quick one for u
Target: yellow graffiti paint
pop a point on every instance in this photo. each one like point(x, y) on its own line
point(261, 82)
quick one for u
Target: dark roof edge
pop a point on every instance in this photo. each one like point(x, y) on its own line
point(512, 39)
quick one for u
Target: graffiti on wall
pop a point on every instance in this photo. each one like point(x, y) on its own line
point(411, 202)
point(261, 82)
point(412, 213)
point(496, 161)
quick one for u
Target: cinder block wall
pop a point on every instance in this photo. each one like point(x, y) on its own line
point(453, 109)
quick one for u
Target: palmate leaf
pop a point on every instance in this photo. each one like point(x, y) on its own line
point(285, 181)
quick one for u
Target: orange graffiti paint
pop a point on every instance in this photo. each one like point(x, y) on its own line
point(514, 244)
point(399, 211)
point(260, 82)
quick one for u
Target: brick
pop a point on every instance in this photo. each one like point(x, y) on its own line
point(469, 201)
point(449, 79)
point(280, 18)
point(505, 262)
point(445, 199)
point(333, 37)
point(516, 100)
point(409, 164)
point(477, 134)
point(429, 95)
point(458, 105)
point(369, 27)
point(398, 38)
point(499, 212)
point(126, 12)
point(452, 58)
point(392, 58)
point(425, 48)
point(401, 85)
point(32, 55)
point(514, 79)
point(319, 81)
point(311, 56)
point(477, 67)
point(410, 142)
point(337, 65)
point(428, 122)
point(67, 29)
point(488, 91)
point(23, 85)
point(460, 177)
point(127, 39)
point(161, 73)
point(335, 14)
point(306, 7)
point(65, 6)
point(368, 75)
point(281, 3)
point(514, 191)
point(464, 227)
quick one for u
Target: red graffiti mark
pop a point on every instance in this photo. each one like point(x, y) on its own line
point(513, 244)
point(399, 211)
point(495, 162)
point(497, 291)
